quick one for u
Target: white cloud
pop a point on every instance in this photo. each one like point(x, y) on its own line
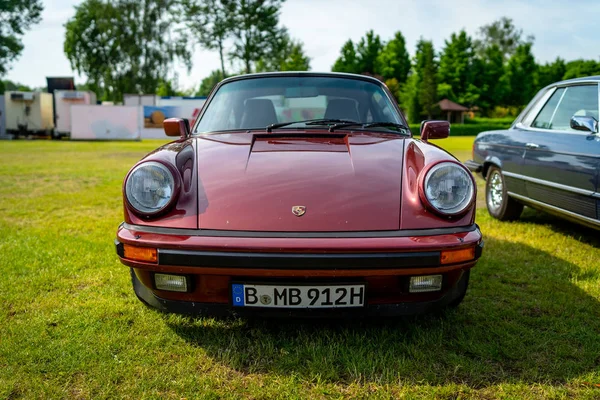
point(324, 26)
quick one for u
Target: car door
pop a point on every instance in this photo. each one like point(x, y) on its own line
point(560, 166)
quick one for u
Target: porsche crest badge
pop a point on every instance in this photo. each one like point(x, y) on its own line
point(298, 211)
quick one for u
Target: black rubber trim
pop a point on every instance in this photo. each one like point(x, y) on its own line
point(187, 258)
point(333, 235)
point(473, 166)
point(120, 249)
point(479, 250)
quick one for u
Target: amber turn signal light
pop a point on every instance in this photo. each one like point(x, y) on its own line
point(140, 253)
point(455, 256)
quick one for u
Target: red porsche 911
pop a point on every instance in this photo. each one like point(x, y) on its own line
point(300, 194)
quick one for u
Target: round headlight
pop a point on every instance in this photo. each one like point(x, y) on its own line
point(448, 188)
point(150, 187)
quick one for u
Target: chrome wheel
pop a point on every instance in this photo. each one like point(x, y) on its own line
point(499, 204)
point(495, 191)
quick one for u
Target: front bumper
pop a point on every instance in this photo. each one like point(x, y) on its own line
point(384, 263)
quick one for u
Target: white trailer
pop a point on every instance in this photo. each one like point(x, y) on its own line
point(63, 100)
point(96, 122)
point(139, 99)
point(29, 113)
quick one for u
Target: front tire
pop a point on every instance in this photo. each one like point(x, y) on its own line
point(499, 204)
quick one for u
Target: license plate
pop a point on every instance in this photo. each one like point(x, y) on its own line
point(298, 296)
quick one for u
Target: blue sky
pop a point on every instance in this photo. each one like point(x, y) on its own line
point(561, 28)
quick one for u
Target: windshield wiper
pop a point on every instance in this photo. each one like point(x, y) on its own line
point(383, 124)
point(320, 121)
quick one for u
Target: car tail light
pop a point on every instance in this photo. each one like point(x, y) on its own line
point(147, 254)
point(427, 283)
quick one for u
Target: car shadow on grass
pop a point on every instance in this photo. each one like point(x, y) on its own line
point(560, 225)
point(523, 320)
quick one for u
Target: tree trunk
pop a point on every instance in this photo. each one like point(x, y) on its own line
point(223, 75)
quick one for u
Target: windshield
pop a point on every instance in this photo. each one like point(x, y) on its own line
point(256, 103)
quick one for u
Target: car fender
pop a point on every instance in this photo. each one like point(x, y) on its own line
point(489, 161)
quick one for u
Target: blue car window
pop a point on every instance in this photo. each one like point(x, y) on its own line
point(565, 103)
point(578, 100)
point(544, 117)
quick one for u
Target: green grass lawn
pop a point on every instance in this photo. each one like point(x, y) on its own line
point(71, 326)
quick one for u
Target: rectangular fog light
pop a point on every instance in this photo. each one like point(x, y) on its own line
point(427, 283)
point(172, 283)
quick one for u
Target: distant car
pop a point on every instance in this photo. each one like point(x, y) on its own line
point(548, 159)
point(303, 194)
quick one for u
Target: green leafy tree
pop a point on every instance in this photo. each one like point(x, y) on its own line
point(551, 72)
point(393, 61)
point(426, 68)
point(409, 97)
point(521, 76)
point(286, 55)
point(348, 60)
point(124, 46)
point(419, 96)
point(368, 49)
point(209, 83)
point(11, 86)
point(170, 87)
point(295, 59)
point(256, 33)
point(580, 68)
point(457, 69)
point(362, 58)
point(211, 21)
point(489, 71)
point(503, 34)
point(16, 17)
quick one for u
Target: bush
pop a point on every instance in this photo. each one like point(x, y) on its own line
point(464, 129)
point(490, 121)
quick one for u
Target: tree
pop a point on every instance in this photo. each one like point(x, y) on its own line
point(521, 76)
point(489, 71)
point(503, 34)
point(11, 86)
point(124, 46)
point(579, 68)
point(368, 49)
point(393, 62)
point(551, 72)
point(286, 55)
point(170, 87)
point(16, 17)
point(348, 60)
point(457, 68)
point(255, 30)
point(212, 23)
point(419, 95)
point(426, 69)
point(362, 58)
point(209, 82)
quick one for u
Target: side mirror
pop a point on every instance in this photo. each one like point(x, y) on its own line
point(177, 127)
point(583, 123)
point(434, 130)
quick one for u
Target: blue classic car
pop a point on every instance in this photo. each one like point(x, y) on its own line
point(548, 159)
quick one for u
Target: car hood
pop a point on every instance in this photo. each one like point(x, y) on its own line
point(252, 182)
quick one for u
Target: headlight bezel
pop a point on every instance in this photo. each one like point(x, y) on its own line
point(424, 177)
point(175, 193)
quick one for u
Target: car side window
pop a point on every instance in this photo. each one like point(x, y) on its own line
point(581, 100)
point(544, 118)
